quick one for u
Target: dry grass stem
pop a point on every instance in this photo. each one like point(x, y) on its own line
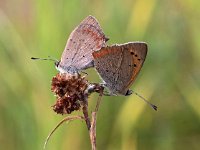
point(67, 119)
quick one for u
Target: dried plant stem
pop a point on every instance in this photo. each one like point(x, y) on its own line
point(67, 119)
point(98, 101)
point(85, 113)
point(92, 130)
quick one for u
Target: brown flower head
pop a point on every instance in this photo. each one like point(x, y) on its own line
point(70, 91)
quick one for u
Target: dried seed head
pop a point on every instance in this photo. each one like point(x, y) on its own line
point(66, 105)
point(70, 91)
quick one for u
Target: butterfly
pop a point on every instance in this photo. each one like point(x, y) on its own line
point(86, 38)
point(119, 65)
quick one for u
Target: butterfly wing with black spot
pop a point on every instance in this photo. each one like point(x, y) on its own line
point(85, 39)
point(118, 65)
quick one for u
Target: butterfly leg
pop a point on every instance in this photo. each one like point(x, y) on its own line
point(84, 73)
point(107, 92)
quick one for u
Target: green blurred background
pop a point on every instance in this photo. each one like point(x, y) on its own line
point(169, 77)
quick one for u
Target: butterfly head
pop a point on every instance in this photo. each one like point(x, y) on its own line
point(57, 63)
point(129, 92)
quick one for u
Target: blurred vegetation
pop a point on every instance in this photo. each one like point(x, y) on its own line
point(169, 77)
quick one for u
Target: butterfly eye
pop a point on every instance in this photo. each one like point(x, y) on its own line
point(129, 92)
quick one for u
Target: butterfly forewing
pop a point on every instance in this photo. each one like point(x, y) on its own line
point(85, 39)
point(118, 65)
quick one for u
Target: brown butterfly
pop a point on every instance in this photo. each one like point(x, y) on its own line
point(118, 65)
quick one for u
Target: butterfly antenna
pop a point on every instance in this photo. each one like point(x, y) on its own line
point(153, 106)
point(49, 58)
point(52, 58)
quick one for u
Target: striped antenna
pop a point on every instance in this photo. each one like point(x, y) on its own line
point(150, 104)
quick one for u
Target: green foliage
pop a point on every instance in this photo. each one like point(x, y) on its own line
point(169, 77)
